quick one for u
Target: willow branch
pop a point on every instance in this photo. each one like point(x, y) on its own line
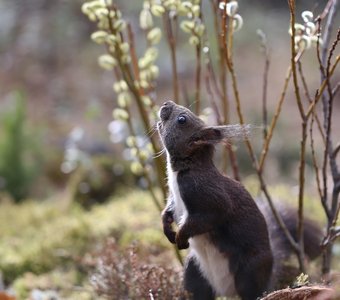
point(265, 51)
point(310, 100)
point(303, 140)
point(172, 46)
point(274, 120)
point(129, 79)
point(315, 165)
point(198, 80)
point(322, 87)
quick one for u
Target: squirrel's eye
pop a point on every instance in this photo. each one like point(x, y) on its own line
point(181, 119)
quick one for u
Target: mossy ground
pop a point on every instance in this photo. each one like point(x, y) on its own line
point(43, 244)
point(49, 245)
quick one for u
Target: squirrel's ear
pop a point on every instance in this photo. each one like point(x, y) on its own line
point(207, 135)
point(216, 134)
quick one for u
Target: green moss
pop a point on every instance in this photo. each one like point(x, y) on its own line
point(37, 236)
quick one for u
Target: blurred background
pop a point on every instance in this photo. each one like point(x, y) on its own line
point(60, 158)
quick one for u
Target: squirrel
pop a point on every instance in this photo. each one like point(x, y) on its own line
point(234, 248)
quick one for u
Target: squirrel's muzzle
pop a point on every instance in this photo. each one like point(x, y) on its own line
point(166, 110)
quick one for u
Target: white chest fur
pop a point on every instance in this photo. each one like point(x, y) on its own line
point(181, 212)
point(213, 264)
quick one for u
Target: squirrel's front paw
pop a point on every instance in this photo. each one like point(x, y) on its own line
point(182, 243)
point(170, 234)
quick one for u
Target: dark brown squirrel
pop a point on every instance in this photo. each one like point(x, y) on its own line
point(233, 249)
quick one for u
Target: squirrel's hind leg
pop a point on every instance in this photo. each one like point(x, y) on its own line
point(252, 278)
point(195, 284)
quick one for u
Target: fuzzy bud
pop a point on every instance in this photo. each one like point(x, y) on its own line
point(194, 40)
point(151, 53)
point(119, 25)
point(144, 84)
point(157, 10)
point(111, 39)
point(187, 5)
point(199, 29)
point(231, 8)
point(124, 47)
point(116, 87)
point(143, 155)
point(299, 29)
point(131, 141)
point(196, 9)
point(120, 114)
point(187, 26)
point(134, 152)
point(146, 100)
point(145, 19)
point(154, 70)
point(107, 62)
point(126, 59)
point(221, 5)
point(99, 37)
point(124, 99)
point(137, 168)
point(102, 13)
point(154, 36)
point(307, 16)
point(237, 22)
point(310, 28)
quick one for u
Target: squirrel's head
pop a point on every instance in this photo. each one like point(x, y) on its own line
point(183, 133)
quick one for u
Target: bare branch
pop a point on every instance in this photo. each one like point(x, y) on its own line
point(265, 51)
point(172, 46)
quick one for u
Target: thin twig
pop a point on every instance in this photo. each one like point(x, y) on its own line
point(316, 167)
point(322, 88)
point(223, 57)
point(300, 238)
point(198, 80)
point(172, 46)
point(336, 89)
point(274, 120)
point(265, 51)
point(326, 9)
point(309, 98)
point(336, 150)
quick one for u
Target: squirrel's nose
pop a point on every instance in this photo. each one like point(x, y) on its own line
point(168, 103)
point(166, 109)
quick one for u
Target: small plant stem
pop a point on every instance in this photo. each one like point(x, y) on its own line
point(309, 98)
point(172, 46)
point(274, 120)
point(265, 85)
point(315, 164)
point(322, 87)
point(133, 53)
point(198, 80)
point(304, 120)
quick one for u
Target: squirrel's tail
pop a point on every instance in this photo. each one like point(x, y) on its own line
point(285, 268)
